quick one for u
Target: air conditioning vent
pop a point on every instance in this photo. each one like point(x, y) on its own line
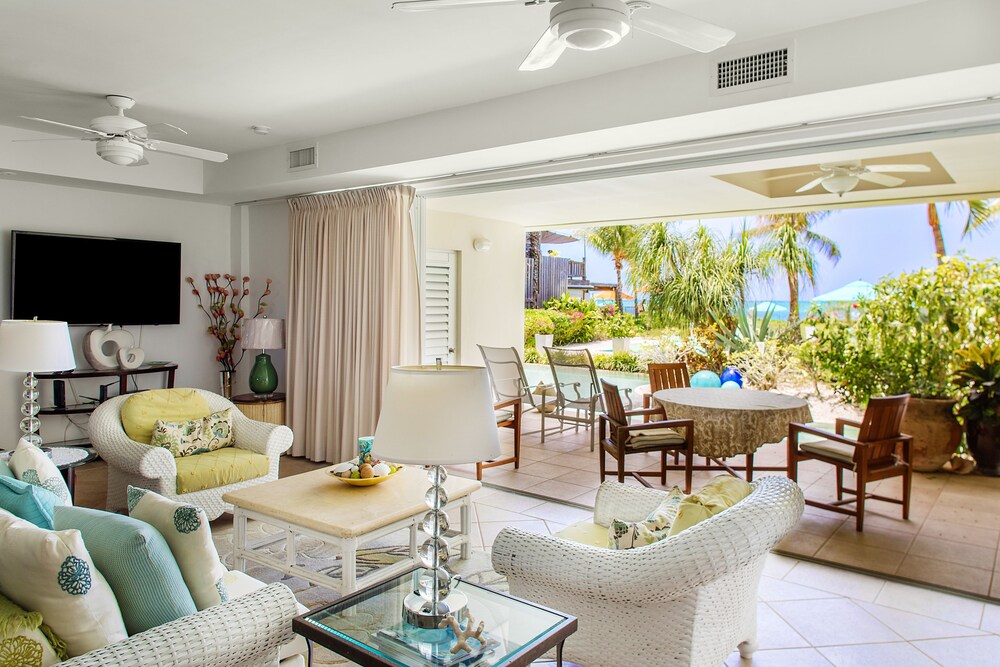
point(755, 70)
point(302, 158)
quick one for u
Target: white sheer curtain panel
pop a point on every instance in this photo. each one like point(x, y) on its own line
point(353, 312)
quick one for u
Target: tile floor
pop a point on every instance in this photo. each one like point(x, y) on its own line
point(951, 540)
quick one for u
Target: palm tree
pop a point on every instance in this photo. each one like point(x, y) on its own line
point(620, 243)
point(792, 246)
point(981, 216)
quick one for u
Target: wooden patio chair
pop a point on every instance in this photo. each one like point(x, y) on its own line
point(666, 376)
point(620, 438)
point(880, 451)
point(508, 414)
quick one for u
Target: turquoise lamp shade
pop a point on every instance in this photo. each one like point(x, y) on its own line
point(263, 334)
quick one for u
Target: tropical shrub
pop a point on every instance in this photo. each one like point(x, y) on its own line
point(978, 380)
point(570, 304)
point(531, 356)
point(762, 365)
point(908, 335)
point(574, 326)
point(536, 322)
point(740, 332)
point(621, 325)
point(625, 362)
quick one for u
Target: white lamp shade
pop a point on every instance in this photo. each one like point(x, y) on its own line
point(262, 333)
point(437, 416)
point(35, 346)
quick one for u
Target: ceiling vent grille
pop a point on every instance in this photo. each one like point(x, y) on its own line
point(302, 158)
point(755, 70)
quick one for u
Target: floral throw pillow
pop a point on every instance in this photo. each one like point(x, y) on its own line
point(194, 436)
point(632, 534)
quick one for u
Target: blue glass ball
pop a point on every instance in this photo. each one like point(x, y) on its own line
point(730, 384)
point(706, 379)
point(732, 374)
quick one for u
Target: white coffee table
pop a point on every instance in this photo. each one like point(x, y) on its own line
point(316, 505)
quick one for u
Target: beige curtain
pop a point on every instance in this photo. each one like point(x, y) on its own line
point(353, 312)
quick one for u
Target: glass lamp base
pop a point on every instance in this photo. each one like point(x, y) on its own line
point(420, 613)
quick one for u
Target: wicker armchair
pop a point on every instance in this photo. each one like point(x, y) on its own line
point(247, 631)
point(687, 600)
point(153, 468)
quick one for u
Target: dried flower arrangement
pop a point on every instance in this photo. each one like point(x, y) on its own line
point(225, 311)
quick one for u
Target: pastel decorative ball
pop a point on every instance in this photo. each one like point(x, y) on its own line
point(732, 374)
point(731, 384)
point(706, 379)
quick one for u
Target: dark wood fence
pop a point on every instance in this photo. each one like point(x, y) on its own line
point(554, 275)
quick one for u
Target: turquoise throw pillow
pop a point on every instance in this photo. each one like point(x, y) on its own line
point(27, 501)
point(137, 563)
point(5, 470)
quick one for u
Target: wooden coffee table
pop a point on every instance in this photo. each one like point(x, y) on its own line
point(316, 505)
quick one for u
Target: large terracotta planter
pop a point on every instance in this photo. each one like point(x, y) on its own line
point(936, 433)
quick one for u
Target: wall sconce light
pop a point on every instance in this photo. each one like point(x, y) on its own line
point(482, 245)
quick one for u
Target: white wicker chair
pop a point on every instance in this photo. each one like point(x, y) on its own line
point(246, 631)
point(687, 600)
point(153, 468)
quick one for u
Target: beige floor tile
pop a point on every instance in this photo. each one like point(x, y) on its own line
point(490, 529)
point(545, 469)
point(775, 632)
point(535, 454)
point(558, 512)
point(991, 619)
point(586, 498)
point(833, 580)
point(912, 626)
point(509, 501)
point(777, 566)
point(588, 478)
point(947, 574)
point(893, 523)
point(833, 622)
point(792, 657)
point(574, 461)
point(818, 524)
point(898, 654)
point(554, 526)
point(779, 590)
point(491, 513)
point(961, 534)
point(876, 535)
point(798, 543)
point(516, 480)
point(558, 490)
point(948, 550)
point(935, 604)
point(963, 651)
point(948, 514)
point(857, 555)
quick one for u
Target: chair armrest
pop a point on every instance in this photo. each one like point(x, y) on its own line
point(245, 631)
point(795, 428)
point(628, 503)
point(114, 446)
point(514, 403)
point(260, 437)
point(839, 425)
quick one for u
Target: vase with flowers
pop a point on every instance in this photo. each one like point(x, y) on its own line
point(223, 305)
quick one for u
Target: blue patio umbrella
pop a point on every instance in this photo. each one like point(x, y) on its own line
point(849, 293)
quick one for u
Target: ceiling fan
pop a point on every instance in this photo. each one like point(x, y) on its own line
point(841, 177)
point(590, 25)
point(122, 140)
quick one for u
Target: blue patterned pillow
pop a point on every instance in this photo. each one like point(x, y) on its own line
point(137, 563)
point(27, 501)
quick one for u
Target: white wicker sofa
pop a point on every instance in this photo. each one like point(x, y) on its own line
point(153, 468)
point(689, 600)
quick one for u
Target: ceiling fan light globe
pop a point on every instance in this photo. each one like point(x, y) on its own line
point(838, 184)
point(121, 152)
point(592, 34)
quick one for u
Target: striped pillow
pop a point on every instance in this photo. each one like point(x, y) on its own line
point(137, 563)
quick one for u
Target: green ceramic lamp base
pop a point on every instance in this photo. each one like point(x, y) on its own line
point(263, 378)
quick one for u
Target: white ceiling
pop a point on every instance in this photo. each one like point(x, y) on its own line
point(392, 96)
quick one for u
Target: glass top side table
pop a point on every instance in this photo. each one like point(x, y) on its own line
point(360, 626)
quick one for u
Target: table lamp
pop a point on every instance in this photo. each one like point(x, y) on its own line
point(34, 346)
point(434, 416)
point(262, 334)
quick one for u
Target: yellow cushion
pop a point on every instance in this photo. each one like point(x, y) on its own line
point(719, 494)
point(210, 470)
point(586, 532)
point(140, 411)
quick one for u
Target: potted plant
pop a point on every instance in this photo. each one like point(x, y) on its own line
point(978, 381)
point(906, 340)
point(621, 327)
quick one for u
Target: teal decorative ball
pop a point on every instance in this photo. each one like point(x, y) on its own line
point(731, 384)
point(706, 379)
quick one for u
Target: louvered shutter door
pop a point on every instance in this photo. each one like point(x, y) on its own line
point(440, 314)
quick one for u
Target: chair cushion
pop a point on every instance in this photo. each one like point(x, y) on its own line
point(51, 572)
point(211, 470)
point(719, 494)
point(632, 534)
point(834, 450)
point(27, 501)
point(25, 640)
point(186, 530)
point(137, 563)
point(140, 411)
point(194, 436)
point(586, 532)
point(30, 464)
point(503, 415)
point(648, 437)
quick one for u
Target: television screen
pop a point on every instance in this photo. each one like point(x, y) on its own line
point(94, 280)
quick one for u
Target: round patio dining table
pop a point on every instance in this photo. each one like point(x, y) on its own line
point(732, 422)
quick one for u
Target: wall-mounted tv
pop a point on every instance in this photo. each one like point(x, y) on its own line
point(94, 280)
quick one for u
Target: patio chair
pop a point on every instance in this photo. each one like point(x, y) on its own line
point(508, 415)
point(666, 376)
point(577, 388)
point(506, 372)
point(620, 438)
point(880, 451)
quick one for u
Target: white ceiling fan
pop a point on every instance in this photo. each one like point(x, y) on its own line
point(122, 140)
point(841, 177)
point(590, 25)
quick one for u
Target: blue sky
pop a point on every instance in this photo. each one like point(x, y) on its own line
point(874, 242)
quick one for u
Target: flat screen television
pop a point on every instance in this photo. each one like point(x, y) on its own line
point(94, 280)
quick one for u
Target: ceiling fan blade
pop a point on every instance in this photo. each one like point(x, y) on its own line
point(156, 130)
point(428, 5)
point(901, 168)
point(811, 184)
point(680, 28)
point(545, 53)
point(18, 141)
point(795, 175)
point(72, 127)
point(882, 179)
point(185, 151)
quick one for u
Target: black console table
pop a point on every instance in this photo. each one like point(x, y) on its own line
point(122, 374)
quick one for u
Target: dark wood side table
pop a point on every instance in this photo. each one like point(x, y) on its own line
point(270, 409)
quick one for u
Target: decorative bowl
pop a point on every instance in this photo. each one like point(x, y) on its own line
point(366, 482)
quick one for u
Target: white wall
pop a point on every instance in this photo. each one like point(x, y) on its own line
point(204, 230)
point(490, 284)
